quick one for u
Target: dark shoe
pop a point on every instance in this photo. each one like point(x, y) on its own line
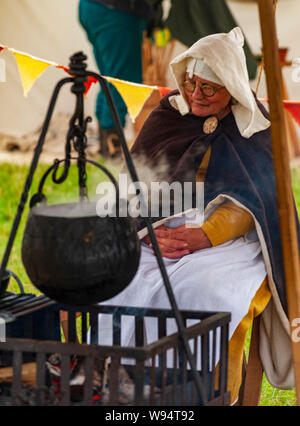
point(103, 148)
point(110, 145)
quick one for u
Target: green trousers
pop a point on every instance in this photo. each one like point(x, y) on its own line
point(116, 37)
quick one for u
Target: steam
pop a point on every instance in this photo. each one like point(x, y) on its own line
point(68, 210)
point(148, 173)
point(128, 190)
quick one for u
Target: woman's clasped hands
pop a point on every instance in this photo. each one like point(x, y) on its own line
point(179, 242)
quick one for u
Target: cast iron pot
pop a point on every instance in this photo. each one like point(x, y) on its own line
point(79, 259)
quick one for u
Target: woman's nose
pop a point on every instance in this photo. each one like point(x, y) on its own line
point(198, 93)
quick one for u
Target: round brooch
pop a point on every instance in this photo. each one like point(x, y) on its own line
point(210, 125)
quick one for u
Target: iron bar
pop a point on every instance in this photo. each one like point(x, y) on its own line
point(28, 181)
point(89, 366)
point(213, 363)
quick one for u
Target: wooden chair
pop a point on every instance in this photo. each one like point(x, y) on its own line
point(250, 390)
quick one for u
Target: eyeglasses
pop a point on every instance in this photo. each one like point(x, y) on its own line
point(206, 89)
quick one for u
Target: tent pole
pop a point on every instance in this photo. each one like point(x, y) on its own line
point(285, 201)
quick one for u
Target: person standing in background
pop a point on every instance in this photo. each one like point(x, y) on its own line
point(115, 29)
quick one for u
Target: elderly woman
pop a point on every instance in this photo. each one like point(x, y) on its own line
point(213, 130)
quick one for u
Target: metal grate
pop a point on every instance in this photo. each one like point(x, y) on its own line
point(156, 374)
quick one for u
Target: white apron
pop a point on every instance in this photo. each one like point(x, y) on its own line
point(224, 278)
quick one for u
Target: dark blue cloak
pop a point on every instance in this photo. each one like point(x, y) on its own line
point(239, 167)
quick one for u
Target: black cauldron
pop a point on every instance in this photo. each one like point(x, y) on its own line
point(76, 257)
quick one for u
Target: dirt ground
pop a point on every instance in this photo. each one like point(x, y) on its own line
point(19, 150)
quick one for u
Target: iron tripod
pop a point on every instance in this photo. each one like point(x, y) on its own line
point(76, 134)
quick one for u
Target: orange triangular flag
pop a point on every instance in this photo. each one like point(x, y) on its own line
point(30, 68)
point(88, 83)
point(133, 94)
point(294, 108)
point(164, 90)
point(91, 80)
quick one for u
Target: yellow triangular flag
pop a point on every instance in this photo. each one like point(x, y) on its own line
point(133, 94)
point(30, 68)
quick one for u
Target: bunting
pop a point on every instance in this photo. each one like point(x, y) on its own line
point(164, 90)
point(87, 84)
point(30, 69)
point(134, 95)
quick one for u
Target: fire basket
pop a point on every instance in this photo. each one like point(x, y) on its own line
point(81, 259)
point(75, 257)
point(51, 373)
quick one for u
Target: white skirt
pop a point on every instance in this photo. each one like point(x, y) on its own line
point(224, 278)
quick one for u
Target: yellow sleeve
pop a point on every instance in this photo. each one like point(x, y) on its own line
point(227, 222)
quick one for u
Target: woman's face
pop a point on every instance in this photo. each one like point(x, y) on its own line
point(201, 105)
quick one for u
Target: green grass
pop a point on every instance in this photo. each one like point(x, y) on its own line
point(12, 180)
point(271, 396)
point(276, 397)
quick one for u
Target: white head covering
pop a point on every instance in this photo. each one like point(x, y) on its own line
point(199, 68)
point(225, 62)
